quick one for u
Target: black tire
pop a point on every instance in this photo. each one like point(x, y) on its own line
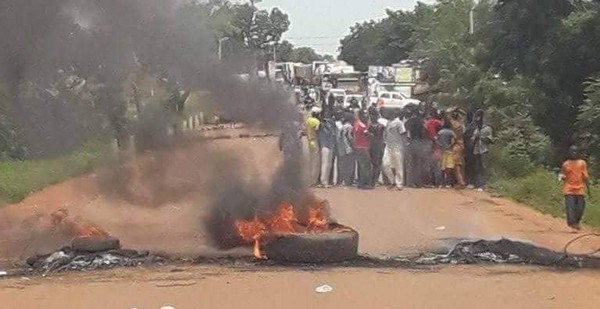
point(330, 247)
point(95, 244)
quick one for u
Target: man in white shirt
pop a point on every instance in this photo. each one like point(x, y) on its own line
point(393, 156)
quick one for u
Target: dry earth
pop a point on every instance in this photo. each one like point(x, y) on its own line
point(389, 223)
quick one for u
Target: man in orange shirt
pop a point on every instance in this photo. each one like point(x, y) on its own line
point(575, 176)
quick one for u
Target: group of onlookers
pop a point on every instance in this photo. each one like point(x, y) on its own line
point(417, 146)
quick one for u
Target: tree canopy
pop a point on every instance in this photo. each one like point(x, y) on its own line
point(286, 52)
point(65, 65)
point(532, 60)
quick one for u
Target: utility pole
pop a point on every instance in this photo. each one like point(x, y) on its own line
point(472, 17)
point(221, 40)
point(472, 21)
point(275, 52)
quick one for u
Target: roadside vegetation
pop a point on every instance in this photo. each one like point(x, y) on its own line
point(531, 65)
point(19, 178)
point(541, 190)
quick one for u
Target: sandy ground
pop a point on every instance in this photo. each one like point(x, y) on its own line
point(390, 223)
point(199, 287)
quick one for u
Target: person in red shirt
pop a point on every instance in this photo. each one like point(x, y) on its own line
point(361, 150)
point(433, 125)
point(574, 174)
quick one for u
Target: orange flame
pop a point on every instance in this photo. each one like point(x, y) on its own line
point(76, 228)
point(251, 232)
point(283, 222)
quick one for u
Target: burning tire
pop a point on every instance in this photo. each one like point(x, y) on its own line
point(95, 243)
point(328, 247)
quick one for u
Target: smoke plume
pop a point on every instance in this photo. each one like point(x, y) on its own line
point(93, 47)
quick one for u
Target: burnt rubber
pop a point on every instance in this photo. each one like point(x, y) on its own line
point(95, 243)
point(329, 247)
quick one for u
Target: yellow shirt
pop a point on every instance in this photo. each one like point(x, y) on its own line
point(312, 126)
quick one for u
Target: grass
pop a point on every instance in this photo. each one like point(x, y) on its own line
point(18, 179)
point(542, 191)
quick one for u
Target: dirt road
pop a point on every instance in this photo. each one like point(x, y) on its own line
point(389, 223)
point(453, 287)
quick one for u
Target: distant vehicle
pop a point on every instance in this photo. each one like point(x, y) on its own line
point(353, 101)
point(286, 71)
point(303, 71)
point(336, 92)
point(348, 81)
point(405, 89)
point(387, 99)
point(326, 83)
point(320, 67)
point(279, 77)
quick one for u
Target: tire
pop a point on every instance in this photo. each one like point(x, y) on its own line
point(330, 247)
point(95, 244)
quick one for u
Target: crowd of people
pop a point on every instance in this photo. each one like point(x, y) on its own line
point(417, 146)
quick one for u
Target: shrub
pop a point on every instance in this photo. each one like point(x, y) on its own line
point(20, 178)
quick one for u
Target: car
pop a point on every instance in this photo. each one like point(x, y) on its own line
point(388, 99)
point(336, 93)
point(353, 101)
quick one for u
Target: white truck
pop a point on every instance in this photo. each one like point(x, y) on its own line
point(392, 100)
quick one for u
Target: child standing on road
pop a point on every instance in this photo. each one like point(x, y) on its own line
point(445, 141)
point(574, 173)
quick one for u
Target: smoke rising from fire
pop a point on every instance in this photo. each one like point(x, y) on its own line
point(52, 49)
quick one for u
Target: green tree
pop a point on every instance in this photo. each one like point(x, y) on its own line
point(329, 58)
point(305, 55)
point(259, 29)
point(522, 34)
point(588, 119)
point(382, 42)
point(285, 51)
point(554, 43)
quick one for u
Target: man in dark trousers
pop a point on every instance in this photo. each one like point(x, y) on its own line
point(376, 129)
point(417, 151)
point(481, 139)
point(361, 150)
point(327, 139)
point(433, 125)
point(574, 174)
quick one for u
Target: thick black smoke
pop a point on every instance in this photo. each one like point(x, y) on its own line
point(55, 53)
point(95, 45)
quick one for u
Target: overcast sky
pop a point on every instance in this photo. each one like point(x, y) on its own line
point(321, 24)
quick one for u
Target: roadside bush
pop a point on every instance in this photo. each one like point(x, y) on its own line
point(21, 178)
point(542, 191)
point(510, 165)
point(539, 188)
